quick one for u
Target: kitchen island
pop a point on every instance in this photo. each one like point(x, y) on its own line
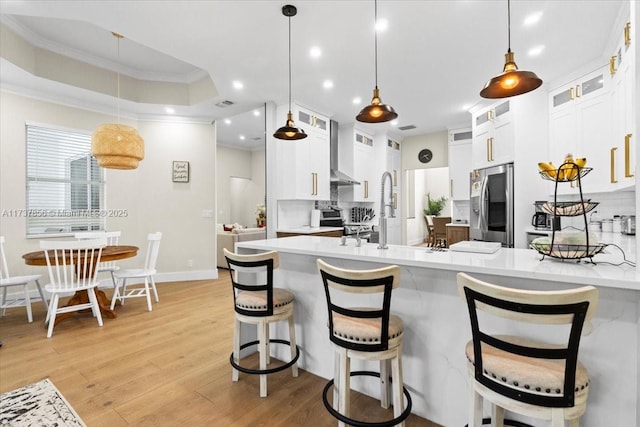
point(437, 325)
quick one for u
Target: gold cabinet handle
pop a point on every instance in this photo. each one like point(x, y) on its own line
point(577, 91)
point(627, 160)
point(612, 65)
point(395, 178)
point(572, 93)
point(314, 184)
point(366, 189)
point(627, 34)
point(395, 200)
point(451, 188)
point(613, 165)
point(490, 114)
point(488, 144)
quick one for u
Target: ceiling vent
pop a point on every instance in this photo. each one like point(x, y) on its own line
point(408, 127)
point(224, 104)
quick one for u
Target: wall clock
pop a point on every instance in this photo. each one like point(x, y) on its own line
point(425, 155)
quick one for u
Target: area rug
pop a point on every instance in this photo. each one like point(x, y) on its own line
point(37, 405)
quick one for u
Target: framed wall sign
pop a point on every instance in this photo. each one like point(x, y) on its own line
point(180, 171)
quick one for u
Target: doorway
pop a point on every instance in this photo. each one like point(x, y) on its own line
point(419, 183)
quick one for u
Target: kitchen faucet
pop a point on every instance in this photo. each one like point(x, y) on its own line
point(383, 216)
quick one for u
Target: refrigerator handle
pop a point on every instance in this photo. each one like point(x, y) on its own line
point(483, 205)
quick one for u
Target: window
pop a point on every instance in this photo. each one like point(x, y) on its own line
point(65, 185)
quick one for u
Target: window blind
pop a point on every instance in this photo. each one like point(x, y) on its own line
point(65, 185)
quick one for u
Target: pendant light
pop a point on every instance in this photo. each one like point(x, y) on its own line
point(511, 82)
point(114, 145)
point(289, 131)
point(376, 112)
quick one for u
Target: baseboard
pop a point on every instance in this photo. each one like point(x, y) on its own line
point(106, 283)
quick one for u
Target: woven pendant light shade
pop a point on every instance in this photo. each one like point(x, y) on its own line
point(117, 146)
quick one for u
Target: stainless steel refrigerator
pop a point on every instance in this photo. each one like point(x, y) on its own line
point(491, 216)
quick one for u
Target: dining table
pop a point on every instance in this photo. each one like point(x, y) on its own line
point(109, 253)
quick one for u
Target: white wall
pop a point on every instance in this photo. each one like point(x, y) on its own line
point(240, 164)
point(153, 202)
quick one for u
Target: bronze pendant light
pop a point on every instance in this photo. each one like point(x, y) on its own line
point(289, 131)
point(376, 112)
point(511, 82)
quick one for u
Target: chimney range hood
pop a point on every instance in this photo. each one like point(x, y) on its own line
point(337, 177)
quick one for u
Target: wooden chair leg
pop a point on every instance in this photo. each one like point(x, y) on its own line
point(475, 408)
point(292, 340)
point(53, 307)
point(44, 300)
point(345, 384)
point(27, 302)
point(385, 386)
point(497, 416)
point(148, 293)
point(398, 396)
point(236, 349)
point(263, 336)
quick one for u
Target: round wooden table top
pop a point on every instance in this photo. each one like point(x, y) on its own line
point(109, 253)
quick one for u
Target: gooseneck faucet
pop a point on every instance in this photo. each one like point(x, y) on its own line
point(383, 216)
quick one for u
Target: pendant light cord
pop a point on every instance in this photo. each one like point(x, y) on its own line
point(289, 64)
point(118, 71)
point(375, 37)
point(509, 25)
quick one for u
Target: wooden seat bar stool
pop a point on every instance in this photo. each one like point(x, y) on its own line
point(529, 376)
point(370, 332)
point(256, 301)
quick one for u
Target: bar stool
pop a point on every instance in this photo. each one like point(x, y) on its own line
point(257, 302)
point(368, 333)
point(530, 377)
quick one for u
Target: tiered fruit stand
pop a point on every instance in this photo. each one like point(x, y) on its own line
point(570, 173)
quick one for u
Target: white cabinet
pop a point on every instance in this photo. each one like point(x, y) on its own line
point(580, 124)
point(493, 135)
point(622, 143)
point(363, 161)
point(460, 141)
point(305, 171)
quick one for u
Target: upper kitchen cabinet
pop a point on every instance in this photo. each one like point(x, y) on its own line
point(493, 135)
point(460, 141)
point(622, 66)
point(358, 155)
point(306, 174)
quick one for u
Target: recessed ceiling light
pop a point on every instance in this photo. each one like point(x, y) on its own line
point(382, 25)
point(357, 100)
point(256, 113)
point(237, 84)
point(242, 138)
point(327, 84)
point(169, 110)
point(394, 123)
point(315, 52)
point(227, 121)
point(532, 18)
point(536, 50)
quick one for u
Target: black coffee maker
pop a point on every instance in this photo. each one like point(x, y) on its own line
point(542, 220)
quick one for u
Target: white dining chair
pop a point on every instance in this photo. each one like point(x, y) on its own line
point(147, 272)
point(112, 240)
point(72, 269)
point(7, 281)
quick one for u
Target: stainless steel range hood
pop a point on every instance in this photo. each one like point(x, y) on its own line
point(337, 176)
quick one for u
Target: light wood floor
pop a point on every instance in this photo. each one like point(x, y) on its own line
point(167, 367)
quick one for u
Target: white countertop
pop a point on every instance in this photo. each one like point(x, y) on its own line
point(524, 263)
point(457, 224)
point(308, 230)
point(626, 243)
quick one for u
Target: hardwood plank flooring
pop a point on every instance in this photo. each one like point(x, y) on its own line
point(167, 367)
